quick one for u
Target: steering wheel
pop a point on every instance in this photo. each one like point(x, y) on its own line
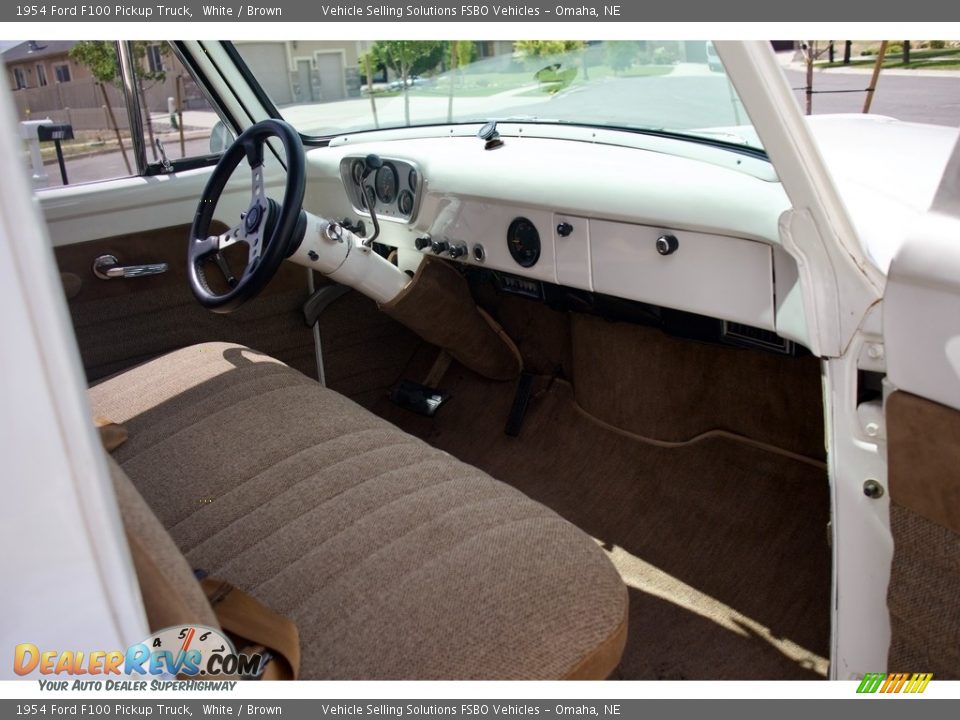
point(270, 230)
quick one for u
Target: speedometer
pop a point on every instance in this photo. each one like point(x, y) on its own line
point(386, 183)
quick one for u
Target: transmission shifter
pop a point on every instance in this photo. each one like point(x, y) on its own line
point(371, 163)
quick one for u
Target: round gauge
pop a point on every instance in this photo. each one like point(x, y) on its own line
point(412, 179)
point(356, 170)
point(405, 202)
point(523, 241)
point(196, 644)
point(386, 183)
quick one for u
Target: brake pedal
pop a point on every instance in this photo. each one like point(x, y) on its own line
point(417, 398)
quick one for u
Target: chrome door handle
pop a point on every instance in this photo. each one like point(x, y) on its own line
point(107, 267)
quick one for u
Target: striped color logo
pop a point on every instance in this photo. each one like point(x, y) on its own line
point(894, 682)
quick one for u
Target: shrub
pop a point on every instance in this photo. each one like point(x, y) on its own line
point(622, 54)
point(665, 56)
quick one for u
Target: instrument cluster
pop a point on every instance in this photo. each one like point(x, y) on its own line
point(393, 188)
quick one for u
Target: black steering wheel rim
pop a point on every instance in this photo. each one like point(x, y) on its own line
point(270, 229)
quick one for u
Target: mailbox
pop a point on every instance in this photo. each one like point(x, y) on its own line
point(56, 132)
point(53, 131)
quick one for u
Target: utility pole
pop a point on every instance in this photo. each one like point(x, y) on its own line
point(876, 76)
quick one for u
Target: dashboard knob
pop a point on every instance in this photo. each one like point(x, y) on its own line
point(667, 244)
point(421, 243)
point(564, 229)
point(457, 250)
point(439, 246)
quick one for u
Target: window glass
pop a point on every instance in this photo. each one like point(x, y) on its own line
point(332, 87)
point(76, 86)
point(154, 56)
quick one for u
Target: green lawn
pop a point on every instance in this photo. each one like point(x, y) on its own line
point(926, 59)
point(484, 84)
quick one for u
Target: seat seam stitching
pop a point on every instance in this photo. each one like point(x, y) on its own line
point(423, 524)
point(311, 472)
point(327, 501)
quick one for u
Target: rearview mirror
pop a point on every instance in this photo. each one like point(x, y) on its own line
point(221, 137)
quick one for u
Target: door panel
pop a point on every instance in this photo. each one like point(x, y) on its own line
point(120, 323)
point(924, 479)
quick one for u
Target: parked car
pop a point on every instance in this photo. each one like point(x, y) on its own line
point(653, 378)
point(413, 81)
point(713, 60)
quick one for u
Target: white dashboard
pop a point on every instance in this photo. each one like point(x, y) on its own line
point(633, 223)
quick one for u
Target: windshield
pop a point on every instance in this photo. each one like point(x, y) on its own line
point(333, 87)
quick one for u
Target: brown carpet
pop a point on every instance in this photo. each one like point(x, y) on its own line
point(723, 545)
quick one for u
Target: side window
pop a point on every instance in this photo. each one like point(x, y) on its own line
point(154, 55)
point(63, 72)
point(74, 119)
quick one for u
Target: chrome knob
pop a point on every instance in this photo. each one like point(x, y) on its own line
point(667, 244)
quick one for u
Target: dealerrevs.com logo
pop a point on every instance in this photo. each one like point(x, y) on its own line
point(192, 651)
point(911, 683)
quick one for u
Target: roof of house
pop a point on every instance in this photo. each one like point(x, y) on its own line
point(36, 50)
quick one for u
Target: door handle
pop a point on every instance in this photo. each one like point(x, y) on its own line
point(107, 267)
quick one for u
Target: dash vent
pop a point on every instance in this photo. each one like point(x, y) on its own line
point(749, 336)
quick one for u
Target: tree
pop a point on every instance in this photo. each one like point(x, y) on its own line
point(408, 58)
point(460, 53)
point(100, 57)
point(542, 48)
point(367, 63)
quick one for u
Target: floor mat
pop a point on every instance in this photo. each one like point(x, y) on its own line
point(723, 545)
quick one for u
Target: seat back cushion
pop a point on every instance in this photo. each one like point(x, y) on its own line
point(170, 591)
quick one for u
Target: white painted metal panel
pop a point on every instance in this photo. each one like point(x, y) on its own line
point(573, 252)
point(921, 313)
point(712, 275)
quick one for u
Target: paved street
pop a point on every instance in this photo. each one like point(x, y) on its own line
point(925, 97)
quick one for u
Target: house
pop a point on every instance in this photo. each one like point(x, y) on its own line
point(48, 82)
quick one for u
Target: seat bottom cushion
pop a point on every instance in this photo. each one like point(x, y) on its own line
point(395, 560)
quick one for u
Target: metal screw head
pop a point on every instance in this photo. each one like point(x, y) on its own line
point(872, 489)
point(872, 429)
point(875, 351)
